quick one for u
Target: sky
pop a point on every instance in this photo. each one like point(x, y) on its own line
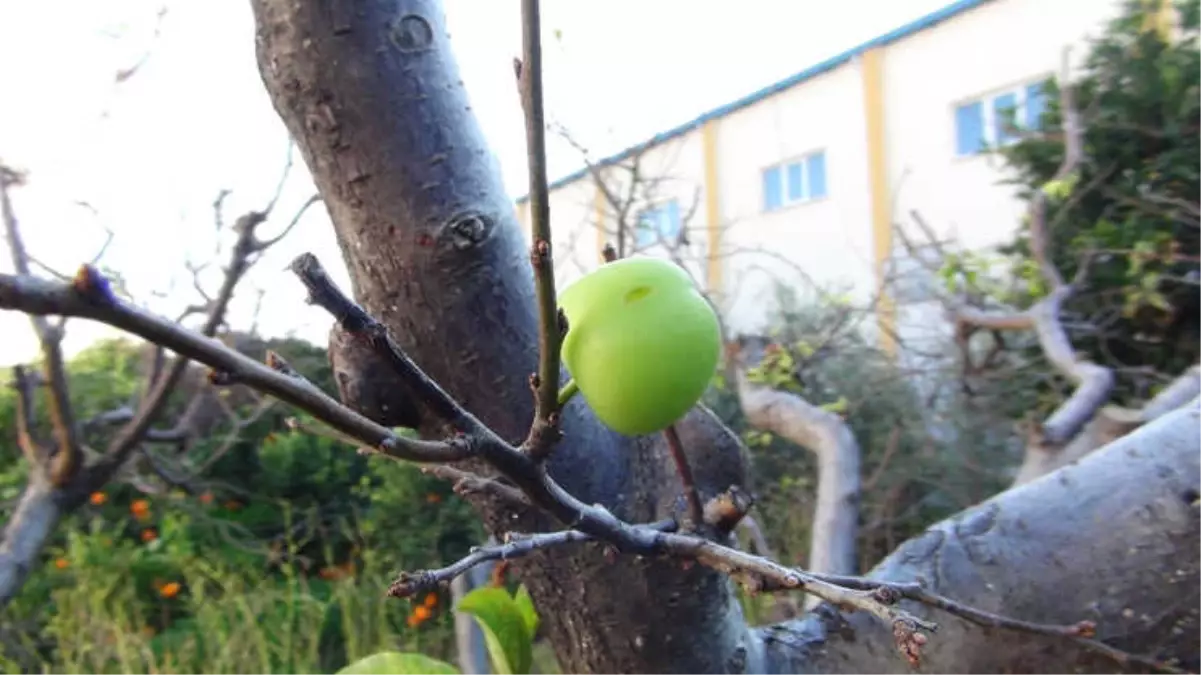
point(144, 157)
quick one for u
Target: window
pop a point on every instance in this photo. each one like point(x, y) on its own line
point(994, 120)
point(661, 223)
point(795, 181)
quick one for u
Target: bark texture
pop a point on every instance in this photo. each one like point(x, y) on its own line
point(1113, 539)
point(372, 95)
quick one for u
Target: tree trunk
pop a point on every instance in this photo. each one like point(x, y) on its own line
point(372, 95)
point(31, 526)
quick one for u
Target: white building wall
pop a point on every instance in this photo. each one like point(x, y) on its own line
point(826, 242)
point(573, 229)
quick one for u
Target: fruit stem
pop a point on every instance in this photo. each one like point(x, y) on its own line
point(570, 389)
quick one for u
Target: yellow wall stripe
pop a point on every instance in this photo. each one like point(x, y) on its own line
point(881, 215)
point(712, 211)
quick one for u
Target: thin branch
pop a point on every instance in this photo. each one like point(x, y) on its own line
point(24, 403)
point(68, 454)
point(696, 510)
point(292, 224)
point(516, 545)
point(90, 297)
point(466, 483)
point(325, 294)
point(544, 432)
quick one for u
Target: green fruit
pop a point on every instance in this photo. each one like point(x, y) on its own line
point(641, 345)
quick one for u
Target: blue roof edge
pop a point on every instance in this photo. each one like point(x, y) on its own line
point(917, 25)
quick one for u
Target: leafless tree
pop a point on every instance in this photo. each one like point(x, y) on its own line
point(450, 311)
point(64, 470)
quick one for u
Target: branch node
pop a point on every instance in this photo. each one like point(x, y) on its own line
point(90, 283)
point(221, 378)
point(608, 253)
point(727, 509)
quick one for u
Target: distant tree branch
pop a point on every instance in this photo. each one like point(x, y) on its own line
point(60, 477)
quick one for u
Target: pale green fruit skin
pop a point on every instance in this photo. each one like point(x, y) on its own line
point(642, 343)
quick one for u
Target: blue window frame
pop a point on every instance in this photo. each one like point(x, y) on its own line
point(661, 223)
point(794, 181)
point(969, 128)
point(773, 195)
point(998, 118)
point(816, 169)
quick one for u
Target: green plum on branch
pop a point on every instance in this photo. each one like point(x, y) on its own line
point(642, 343)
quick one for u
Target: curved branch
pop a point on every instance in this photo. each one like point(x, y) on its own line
point(827, 436)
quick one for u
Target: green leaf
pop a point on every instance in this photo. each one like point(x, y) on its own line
point(840, 406)
point(505, 629)
point(406, 432)
point(401, 663)
point(525, 604)
point(1060, 189)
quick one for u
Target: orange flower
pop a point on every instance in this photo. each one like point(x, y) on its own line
point(431, 600)
point(422, 612)
point(140, 509)
point(149, 535)
point(206, 498)
point(98, 498)
point(413, 621)
point(433, 498)
point(169, 590)
point(62, 563)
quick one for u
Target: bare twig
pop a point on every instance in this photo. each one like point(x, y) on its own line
point(544, 431)
point(515, 545)
point(696, 511)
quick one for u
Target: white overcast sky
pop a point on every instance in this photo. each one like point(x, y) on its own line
point(151, 154)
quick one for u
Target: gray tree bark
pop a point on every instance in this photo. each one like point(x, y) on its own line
point(372, 95)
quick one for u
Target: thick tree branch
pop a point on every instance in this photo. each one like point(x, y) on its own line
point(1133, 501)
point(1110, 423)
point(827, 436)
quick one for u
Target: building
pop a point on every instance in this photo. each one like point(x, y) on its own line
point(803, 181)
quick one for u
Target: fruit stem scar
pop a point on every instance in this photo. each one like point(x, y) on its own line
point(637, 294)
point(570, 389)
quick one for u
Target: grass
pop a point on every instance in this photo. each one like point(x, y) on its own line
point(102, 607)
